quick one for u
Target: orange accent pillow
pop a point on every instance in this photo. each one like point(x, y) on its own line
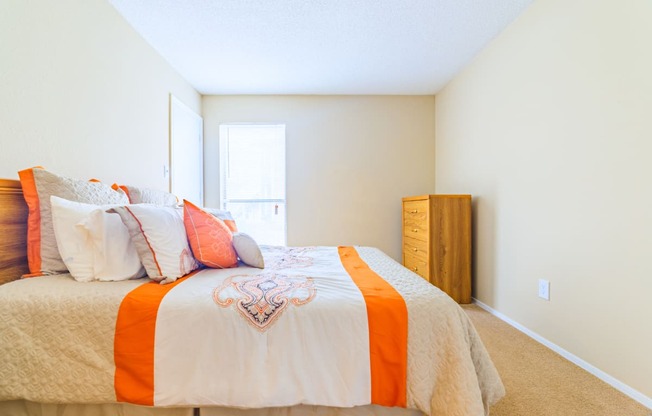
point(210, 239)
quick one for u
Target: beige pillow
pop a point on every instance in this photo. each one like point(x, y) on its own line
point(38, 186)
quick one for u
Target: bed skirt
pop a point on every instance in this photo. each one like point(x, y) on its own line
point(27, 408)
point(302, 410)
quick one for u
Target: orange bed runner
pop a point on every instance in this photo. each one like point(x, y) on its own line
point(387, 316)
point(134, 342)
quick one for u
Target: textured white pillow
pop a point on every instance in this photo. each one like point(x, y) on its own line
point(160, 239)
point(139, 195)
point(93, 244)
point(247, 250)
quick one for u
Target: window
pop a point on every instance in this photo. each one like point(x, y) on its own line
point(252, 178)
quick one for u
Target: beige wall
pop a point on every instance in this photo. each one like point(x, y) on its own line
point(551, 129)
point(349, 160)
point(82, 94)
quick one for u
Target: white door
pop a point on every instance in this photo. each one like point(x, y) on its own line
point(186, 153)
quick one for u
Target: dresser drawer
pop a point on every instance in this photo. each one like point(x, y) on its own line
point(416, 248)
point(416, 229)
point(415, 219)
point(417, 265)
point(416, 210)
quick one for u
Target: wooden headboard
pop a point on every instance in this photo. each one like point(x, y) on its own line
point(13, 231)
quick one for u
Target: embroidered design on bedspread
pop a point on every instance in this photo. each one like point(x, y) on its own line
point(284, 258)
point(262, 299)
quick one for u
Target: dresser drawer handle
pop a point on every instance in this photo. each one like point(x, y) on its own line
point(415, 249)
point(414, 230)
point(414, 211)
point(415, 268)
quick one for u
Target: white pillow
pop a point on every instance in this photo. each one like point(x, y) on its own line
point(160, 239)
point(114, 254)
point(93, 244)
point(247, 249)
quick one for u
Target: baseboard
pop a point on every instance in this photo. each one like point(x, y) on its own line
point(613, 382)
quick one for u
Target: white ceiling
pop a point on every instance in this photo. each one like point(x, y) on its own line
point(319, 46)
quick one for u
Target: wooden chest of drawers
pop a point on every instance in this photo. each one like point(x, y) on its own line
point(437, 241)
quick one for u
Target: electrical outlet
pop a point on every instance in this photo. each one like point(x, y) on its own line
point(544, 289)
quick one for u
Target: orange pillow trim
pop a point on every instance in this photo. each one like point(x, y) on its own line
point(33, 222)
point(115, 187)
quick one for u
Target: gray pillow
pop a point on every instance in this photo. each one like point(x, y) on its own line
point(247, 250)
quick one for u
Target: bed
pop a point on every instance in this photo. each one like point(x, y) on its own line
point(309, 334)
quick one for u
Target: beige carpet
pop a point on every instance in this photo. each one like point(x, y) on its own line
point(540, 382)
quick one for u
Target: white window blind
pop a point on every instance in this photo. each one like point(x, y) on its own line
point(252, 170)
